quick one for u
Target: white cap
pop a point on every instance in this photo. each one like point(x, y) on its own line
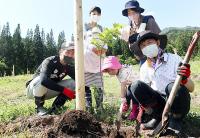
point(67, 45)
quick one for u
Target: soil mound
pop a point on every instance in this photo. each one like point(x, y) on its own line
point(76, 123)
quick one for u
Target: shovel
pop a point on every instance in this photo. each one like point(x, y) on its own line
point(162, 125)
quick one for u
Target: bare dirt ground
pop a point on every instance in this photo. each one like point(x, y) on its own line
point(70, 124)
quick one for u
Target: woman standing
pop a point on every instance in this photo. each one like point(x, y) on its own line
point(93, 61)
point(138, 23)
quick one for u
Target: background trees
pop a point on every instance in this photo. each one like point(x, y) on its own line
point(25, 54)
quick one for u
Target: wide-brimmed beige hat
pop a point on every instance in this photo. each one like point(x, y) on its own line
point(135, 47)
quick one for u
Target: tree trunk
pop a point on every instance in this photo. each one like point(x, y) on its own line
point(13, 70)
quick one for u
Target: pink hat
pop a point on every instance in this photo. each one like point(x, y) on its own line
point(111, 62)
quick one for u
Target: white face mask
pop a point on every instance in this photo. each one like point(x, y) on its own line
point(134, 17)
point(95, 18)
point(150, 51)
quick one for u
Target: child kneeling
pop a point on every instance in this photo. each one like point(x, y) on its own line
point(126, 77)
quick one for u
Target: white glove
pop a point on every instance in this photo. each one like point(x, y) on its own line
point(123, 100)
point(125, 32)
point(141, 28)
point(124, 106)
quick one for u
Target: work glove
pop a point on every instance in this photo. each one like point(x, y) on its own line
point(124, 105)
point(184, 71)
point(69, 93)
point(125, 32)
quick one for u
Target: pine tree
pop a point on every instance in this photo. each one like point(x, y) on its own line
point(6, 49)
point(51, 45)
point(61, 39)
point(43, 37)
point(18, 51)
point(38, 47)
point(29, 54)
point(2, 67)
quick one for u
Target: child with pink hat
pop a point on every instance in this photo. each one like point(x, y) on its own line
point(126, 77)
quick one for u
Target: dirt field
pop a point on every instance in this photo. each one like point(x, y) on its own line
point(70, 124)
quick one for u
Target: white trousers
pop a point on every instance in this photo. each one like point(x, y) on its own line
point(36, 89)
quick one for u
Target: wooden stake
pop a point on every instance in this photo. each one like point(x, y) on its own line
point(79, 56)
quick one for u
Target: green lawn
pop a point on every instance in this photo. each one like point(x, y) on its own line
point(195, 67)
point(13, 101)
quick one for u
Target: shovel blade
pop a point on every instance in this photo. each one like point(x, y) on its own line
point(159, 129)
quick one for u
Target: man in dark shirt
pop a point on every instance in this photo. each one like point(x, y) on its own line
point(48, 80)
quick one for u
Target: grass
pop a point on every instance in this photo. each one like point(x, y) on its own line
point(195, 106)
point(14, 103)
point(195, 67)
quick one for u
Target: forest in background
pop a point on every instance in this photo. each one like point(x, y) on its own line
point(25, 54)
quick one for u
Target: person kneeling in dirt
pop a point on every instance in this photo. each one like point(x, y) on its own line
point(126, 77)
point(157, 76)
point(48, 80)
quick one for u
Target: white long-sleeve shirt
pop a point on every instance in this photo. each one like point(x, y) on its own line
point(163, 74)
